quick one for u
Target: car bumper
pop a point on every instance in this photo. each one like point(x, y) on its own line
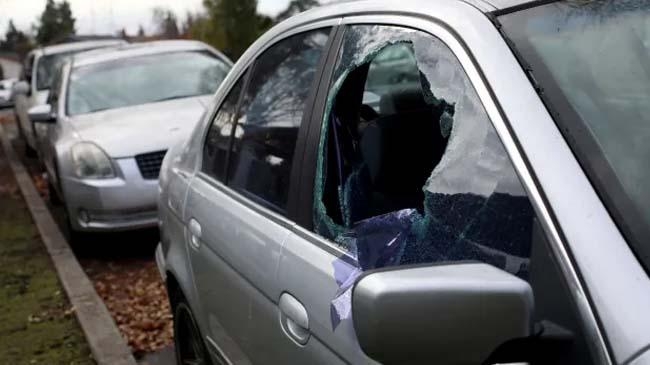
point(123, 203)
point(6, 103)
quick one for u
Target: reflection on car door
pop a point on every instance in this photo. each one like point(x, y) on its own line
point(236, 206)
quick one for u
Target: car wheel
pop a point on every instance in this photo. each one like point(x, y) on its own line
point(190, 348)
point(29, 152)
point(75, 238)
point(52, 194)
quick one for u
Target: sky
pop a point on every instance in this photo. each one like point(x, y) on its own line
point(109, 16)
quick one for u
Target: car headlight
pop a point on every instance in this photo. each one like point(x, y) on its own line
point(90, 162)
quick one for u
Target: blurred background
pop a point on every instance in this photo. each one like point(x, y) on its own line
point(228, 25)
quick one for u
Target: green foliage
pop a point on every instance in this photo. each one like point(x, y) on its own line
point(15, 41)
point(166, 22)
point(36, 323)
point(233, 25)
point(56, 22)
point(238, 21)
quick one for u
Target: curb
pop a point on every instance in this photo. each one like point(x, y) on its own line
point(104, 339)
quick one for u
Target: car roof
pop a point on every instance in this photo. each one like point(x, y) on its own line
point(505, 4)
point(141, 49)
point(483, 5)
point(78, 46)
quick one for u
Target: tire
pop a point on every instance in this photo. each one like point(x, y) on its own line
point(189, 346)
point(29, 152)
point(52, 194)
point(75, 238)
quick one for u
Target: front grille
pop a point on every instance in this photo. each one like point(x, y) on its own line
point(149, 164)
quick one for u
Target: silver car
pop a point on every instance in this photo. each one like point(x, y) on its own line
point(6, 94)
point(109, 120)
point(489, 206)
point(36, 79)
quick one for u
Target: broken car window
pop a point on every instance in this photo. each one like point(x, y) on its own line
point(410, 169)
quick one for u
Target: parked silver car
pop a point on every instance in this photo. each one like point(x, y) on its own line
point(36, 79)
point(111, 116)
point(491, 206)
point(6, 94)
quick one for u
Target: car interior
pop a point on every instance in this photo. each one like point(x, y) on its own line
point(382, 155)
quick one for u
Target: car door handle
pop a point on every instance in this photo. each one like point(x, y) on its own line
point(294, 318)
point(195, 233)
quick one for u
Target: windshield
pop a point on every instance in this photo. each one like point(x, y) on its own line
point(591, 59)
point(144, 79)
point(47, 66)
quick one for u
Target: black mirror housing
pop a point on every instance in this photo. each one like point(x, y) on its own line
point(448, 314)
point(42, 114)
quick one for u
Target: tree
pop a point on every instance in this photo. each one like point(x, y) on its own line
point(15, 41)
point(205, 30)
point(141, 31)
point(122, 34)
point(166, 22)
point(237, 22)
point(295, 7)
point(56, 22)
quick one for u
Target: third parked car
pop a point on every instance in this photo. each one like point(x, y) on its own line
point(36, 80)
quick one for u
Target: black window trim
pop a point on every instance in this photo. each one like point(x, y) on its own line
point(269, 210)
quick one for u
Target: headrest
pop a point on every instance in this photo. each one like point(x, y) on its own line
point(402, 99)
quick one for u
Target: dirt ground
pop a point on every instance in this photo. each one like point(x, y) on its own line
point(123, 270)
point(37, 324)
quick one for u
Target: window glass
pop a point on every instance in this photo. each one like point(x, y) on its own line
point(415, 173)
point(47, 66)
point(144, 79)
point(28, 67)
point(270, 117)
point(217, 143)
point(592, 61)
point(53, 96)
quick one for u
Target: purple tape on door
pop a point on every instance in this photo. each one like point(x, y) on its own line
point(378, 242)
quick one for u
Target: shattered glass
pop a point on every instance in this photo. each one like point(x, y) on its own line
point(473, 206)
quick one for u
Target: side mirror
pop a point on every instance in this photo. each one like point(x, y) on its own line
point(448, 314)
point(21, 87)
point(42, 114)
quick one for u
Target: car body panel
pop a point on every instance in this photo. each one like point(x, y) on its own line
point(6, 93)
point(609, 286)
point(162, 123)
point(146, 48)
point(234, 265)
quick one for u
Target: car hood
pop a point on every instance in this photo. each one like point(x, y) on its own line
point(129, 131)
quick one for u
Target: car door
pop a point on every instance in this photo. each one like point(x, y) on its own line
point(236, 208)
point(415, 174)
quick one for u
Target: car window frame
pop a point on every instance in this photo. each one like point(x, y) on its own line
point(245, 68)
point(305, 119)
point(550, 227)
